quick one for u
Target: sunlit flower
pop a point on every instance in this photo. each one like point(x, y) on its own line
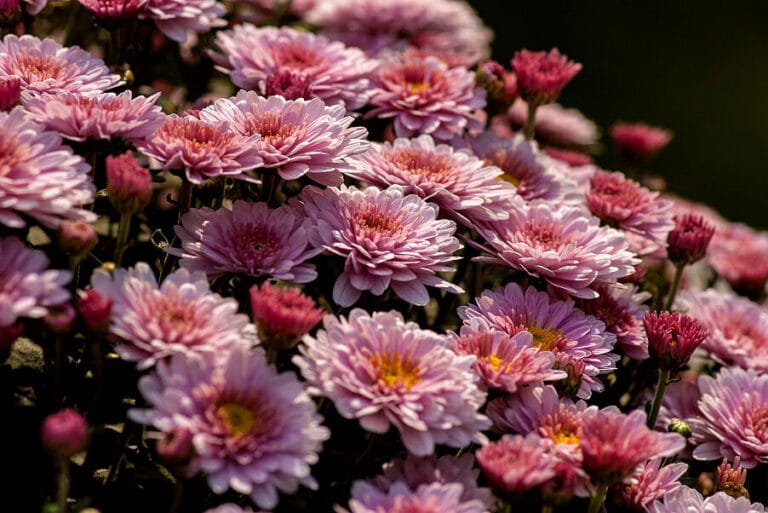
point(554, 124)
point(177, 18)
point(687, 500)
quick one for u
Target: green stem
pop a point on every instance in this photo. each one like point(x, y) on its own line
point(673, 288)
point(530, 121)
point(504, 507)
point(122, 236)
point(664, 375)
point(62, 485)
point(596, 502)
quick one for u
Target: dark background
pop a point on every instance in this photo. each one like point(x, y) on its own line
point(698, 68)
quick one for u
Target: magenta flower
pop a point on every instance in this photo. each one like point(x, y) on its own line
point(687, 242)
point(202, 149)
point(10, 92)
point(388, 239)
point(129, 185)
point(648, 483)
point(556, 326)
point(638, 141)
point(27, 287)
point(554, 125)
point(463, 186)
point(283, 315)
point(254, 430)
point(46, 66)
point(250, 239)
point(79, 116)
point(182, 315)
point(40, 178)
point(177, 18)
point(560, 244)
point(672, 338)
point(64, 433)
point(737, 252)
point(115, 9)
point(429, 498)
point(733, 417)
point(297, 137)
point(425, 96)
point(516, 464)
point(686, 500)
point(387, 372)
point(334, 73)
point(542, 75)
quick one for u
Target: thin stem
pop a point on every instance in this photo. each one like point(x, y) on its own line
point(596, 502)
point(673, 288)
point(268, 186)
point(178, 494)
point(530, 121)
point(122, 236)
point(185, 198)
point(62, 485)
point(658, 396)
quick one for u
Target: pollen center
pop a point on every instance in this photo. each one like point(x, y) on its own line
point(394, 371)
point(237, 419)
point(424, 164)
point(494, 361)
point(546, 339)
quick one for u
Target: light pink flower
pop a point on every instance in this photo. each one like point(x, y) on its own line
point(250, 239)
point(387, 372)
point(387, 238)
point(46, 66)
point(334, 73)
point(516, 464)
point(177, 18)
point(688, 500)
point(649, 482)
point(554, 124)
point(737, 252)
point(296, 137)
point(435, 497)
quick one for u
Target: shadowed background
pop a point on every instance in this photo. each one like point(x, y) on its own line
point(700, 71)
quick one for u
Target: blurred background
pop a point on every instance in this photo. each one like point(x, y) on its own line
point(699, 69)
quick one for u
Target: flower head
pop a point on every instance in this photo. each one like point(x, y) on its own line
point(114, 9)
point(64, 433)
point(129, 185)
point(366, 498)
point(10, 92)
point(542, 75)
point(387, 238)
point(516, 464)
point(554, 125)
point(731, 478)
point(177, 18)
point(649, 482)
point(687, 242)
point(283, 315)
point(387, 372)
point(95, 310)
point(736, 253)
point(638, 141)
point(686, 500)
point(254, 430)
point(672, 337)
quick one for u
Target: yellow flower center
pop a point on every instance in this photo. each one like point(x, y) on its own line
point(509, 178)
point(494, 361)
point(546, 339)
point(394, 371)
point(565, 437)
point(238, 419)
point(417, 87)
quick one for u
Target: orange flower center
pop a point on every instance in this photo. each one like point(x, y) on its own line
point(394, 371)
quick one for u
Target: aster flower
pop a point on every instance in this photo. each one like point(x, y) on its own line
point(462, 185)
point(387, 372)
point(560, 244)
point(254, 430)
point(79, 116)
point(516, 464)
point(334, 73)
point(114, 9)
point(425, 96)
point(27, 287)
point(388, 239)
point(733, 417)
point(687, 242)
point(129, 185)
point(737, 252)
point(39, 177)
point(556, 326)
point(250, 239)
point(182, 315)
point(534, 175)
point(672, 338)
point(283, 315)
point(46, 66)
point(686, 500)
point(505, 362)
point(623, 203)
point(202, 149)
point(366, 498)
point(297, 137)
point(177, 18)
point(648, 483)
point(554, 124)
point(638, 141)
point(542, 75)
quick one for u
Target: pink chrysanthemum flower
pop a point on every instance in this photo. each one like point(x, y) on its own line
point(463, 186)
point(560, 244)
point(182, 315)
point(425, 96)
point(649, 482)
point(230, 507)
point(10, 92)
point(737, 253)
point(542, 75)
point(115, 9)
point(614, 443)
point(46, 66)
point(535, 175)
point(27, 287)
point(283, 315)
point(556, 326)
point(672, 338)
point(96, 116)
point(732, 478)
point(297, 137)
point(638, 141)
point(738, 327)
point(571, 157)
point(254, 430)
point(202, 149)
point(688, 500)
point(380, 26)
point(177, 18)
point(734, 417)
point(428, 498)
point(516, 464)
point(388, 239)
point(554, 125)
point(384, 371)
point(334, 73)
point(40, 178)
point(250, 239)
point(505, 362)
point(687, 242)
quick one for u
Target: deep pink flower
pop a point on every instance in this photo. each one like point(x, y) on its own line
point(688, 500)
point(64, 433)
point(152, 322)
point(649, 482)
point(425, 96)
point(428, 498)
point(737, 252)
point(254, 430)
point(115, 9)
point(672, 338)
point(556, 326)
point(283, 315)
point(250, 239)
point(463, 186)
point(10, 92)
point(387, 372)
point(27, 287)
point(95, 310)
point(334, 73)
point(516, 464)
point(296, 137)
point(554, 125)
point(78, 116)
point(46, 66)
point(560, 244)
point(542, 75)
point(177, 18)
point(387, 238)
point(129, 185)
point(570, 157)
point(202, 149)
point(638, 141)
point(687, 242)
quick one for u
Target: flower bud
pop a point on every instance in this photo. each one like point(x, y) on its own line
point(680, 427)
point(10, 92)
point(129, 185)
point(95, 310)
point(541, 76)
point(9, 7)
point(283, 315)
point(731, 479)
point(60, 319)
point(672, 337)
point(175, 447)
point(77, 238)
point(687, 242)
point(64, 433)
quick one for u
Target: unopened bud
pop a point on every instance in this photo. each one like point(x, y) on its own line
point(95, 310)
point(10, 91)
point(680, 427)
point(60, 318)
point(129, 185)
point(77, 238)
point(64, 433)
point(175, 447)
